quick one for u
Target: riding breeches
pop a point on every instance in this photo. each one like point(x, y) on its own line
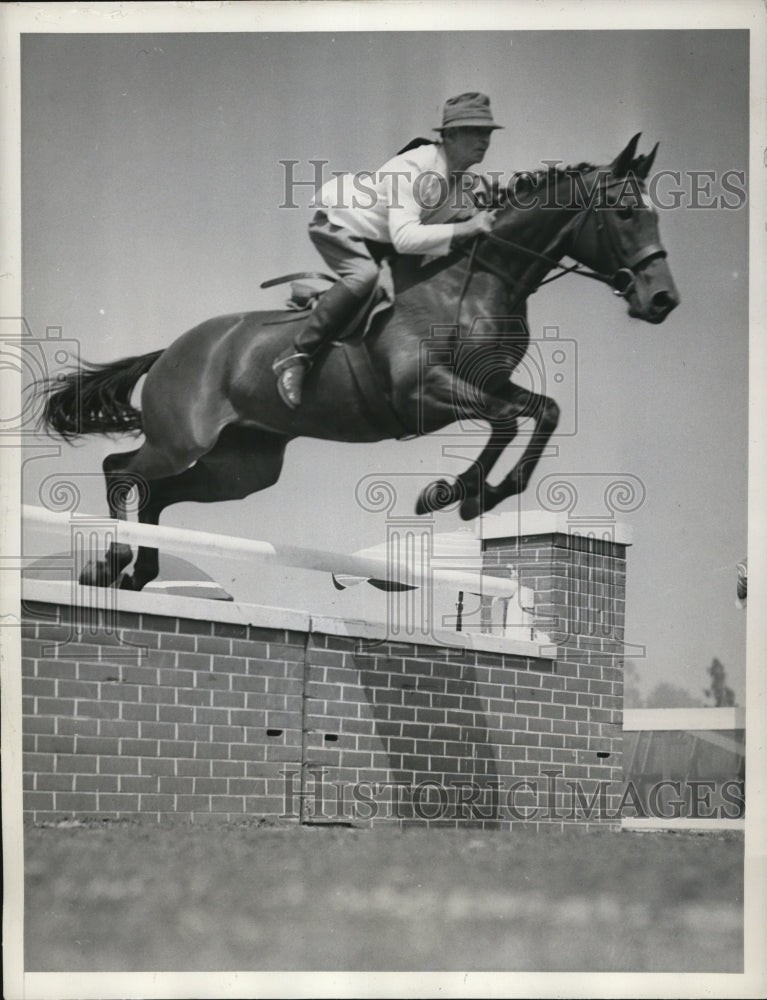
point(346, 254)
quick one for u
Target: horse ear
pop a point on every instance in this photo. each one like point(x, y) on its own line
point(622, 162)
point(645, 163)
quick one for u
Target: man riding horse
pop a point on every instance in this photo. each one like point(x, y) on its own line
point(416, 202)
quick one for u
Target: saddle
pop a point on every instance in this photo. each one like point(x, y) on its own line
point(304, 296)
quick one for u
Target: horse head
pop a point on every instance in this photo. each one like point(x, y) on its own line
point(600, 217)
point(615, 233)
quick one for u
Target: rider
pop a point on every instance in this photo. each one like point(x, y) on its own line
point(414, 202)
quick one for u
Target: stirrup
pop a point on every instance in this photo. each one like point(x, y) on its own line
point(290, 361)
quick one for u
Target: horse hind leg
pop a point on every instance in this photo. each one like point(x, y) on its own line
point(243, 461)
point(124, 473)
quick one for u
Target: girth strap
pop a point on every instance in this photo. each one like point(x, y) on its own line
point(379, 405)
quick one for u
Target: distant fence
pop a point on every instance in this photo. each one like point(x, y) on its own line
point(687, 766)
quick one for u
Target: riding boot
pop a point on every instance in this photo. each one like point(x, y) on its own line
point(334, 309)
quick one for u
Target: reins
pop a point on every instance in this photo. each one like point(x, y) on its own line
point(621, 281)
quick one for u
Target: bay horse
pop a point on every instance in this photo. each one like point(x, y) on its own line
point(216, 429)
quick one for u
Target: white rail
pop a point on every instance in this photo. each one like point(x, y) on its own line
point(195, 542)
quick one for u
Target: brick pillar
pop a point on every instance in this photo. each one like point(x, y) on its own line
point(577, 576)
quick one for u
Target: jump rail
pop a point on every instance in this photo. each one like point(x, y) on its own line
point(195, 542)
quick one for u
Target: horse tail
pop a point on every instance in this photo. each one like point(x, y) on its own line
point(94, 399)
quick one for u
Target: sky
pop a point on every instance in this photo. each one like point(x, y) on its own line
point(151, 192)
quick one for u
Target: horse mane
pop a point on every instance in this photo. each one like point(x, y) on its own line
point(524, 182)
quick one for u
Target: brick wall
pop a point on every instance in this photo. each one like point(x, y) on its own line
point(578, 580)
point(178, 709)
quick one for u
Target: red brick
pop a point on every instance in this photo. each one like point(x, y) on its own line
point(175, 713)
point(138, 783)
point(281, 753)
point(96, 783)
point(98, 744)
point(227, 768)
point(247, 786)
point(176, 642)
point(267, 668)
point(176, 786)
point(248, 718)
point(160, 803)
point(189, 768)
point(210, 786)
point(40, 724)
point(193, 803)
point(141, 640)
point(95, 709)
point(38, 763)
point(76, 764)
point(214, 644)
point(227, 734)
point(193, 697)
point(232, 630)
point(249, 683)
point(143, 713)
point(139, 748)
point(194, 661)
point(265, 806)
point(157, 696)
point(244, 648)
point(119, 802)
point(54, 782)
point(325, 658)
point(211, 751)
point(285, 651)
point(55, 744)
point(118, 765)
point(139, 675)
point(213, 680)
point(157, 731)
point(39, 686)
point(229, 699)
point(248, 752)
point(158, 623)
point(159, 766)
point(177, 748)
point(33, 801)
point(76, 801)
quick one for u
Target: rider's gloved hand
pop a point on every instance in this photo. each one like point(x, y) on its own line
point(480, 223)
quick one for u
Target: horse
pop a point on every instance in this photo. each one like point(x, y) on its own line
point(215, 428)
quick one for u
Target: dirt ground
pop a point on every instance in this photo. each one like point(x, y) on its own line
point(130, 897)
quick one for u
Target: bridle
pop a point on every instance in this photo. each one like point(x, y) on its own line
point(622, 280)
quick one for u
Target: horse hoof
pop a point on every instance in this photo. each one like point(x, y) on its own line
point(96, 574)
point(436, 496)
point(119, 555)
point(470, 509)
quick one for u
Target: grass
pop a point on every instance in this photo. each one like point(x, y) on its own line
point(131, 897)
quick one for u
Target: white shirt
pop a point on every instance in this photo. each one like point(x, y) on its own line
point(407, 202)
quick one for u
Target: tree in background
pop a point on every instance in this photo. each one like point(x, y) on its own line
point(632, 689)
point(724, 696)
point(665, 695)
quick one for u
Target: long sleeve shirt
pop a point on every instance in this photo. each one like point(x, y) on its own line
point(408, 202)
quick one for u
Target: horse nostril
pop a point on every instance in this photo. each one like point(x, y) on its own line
point(663, 300)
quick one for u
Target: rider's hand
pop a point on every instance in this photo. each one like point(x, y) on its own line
point(482, 222)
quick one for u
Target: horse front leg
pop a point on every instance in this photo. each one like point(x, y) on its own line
point(502, 407)
point(446, 398)
point(545, 413)
point(469, 486)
